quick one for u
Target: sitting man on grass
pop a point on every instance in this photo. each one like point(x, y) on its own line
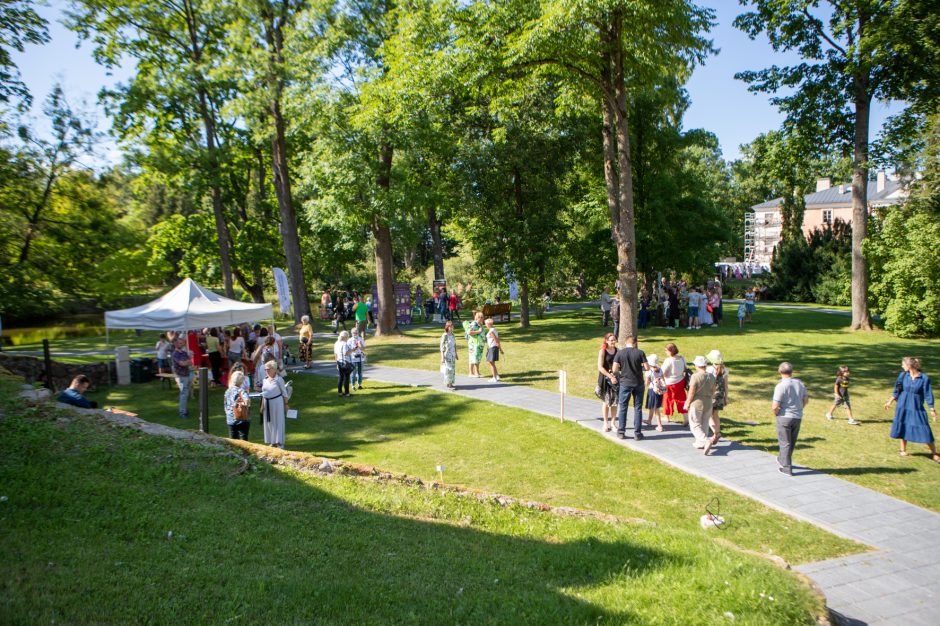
point(74, 395)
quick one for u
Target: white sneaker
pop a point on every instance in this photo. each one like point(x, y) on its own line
point(497, 378)
point(829, 416)
point(494, 380)
point(854, 422)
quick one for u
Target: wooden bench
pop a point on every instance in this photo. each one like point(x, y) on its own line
point(499, 312)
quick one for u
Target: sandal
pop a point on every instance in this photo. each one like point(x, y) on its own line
point(903, 453)
point(659, 429)
point(936, 458)
point(606, 429)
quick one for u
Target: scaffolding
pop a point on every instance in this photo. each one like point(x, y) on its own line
point(761, 235)
point(749, 236)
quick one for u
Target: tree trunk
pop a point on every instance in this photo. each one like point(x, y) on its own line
point(208, 121)
point(860, 316)
point(437, 246)
point(519, 201)
point(386, 324)
point(221, 228)
point(625, 231)
point(281, 173)
point(524, 303)
point(291, 239)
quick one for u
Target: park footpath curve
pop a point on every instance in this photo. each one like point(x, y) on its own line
point(894, 584)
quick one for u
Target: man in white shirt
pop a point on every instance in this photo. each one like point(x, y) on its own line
point(789, 399)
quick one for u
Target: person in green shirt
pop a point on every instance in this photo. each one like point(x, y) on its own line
point(361, 313)
point(475, 342)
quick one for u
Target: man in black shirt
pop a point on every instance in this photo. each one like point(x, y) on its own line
point(630, 365)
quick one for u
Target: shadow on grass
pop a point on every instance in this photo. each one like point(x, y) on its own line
point(308, 555)
point(857, 471)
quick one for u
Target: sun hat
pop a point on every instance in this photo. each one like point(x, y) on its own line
point(653, 359)
point(700, 361)
point(714, 357)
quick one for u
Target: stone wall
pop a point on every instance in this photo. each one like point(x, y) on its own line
point(31, 369)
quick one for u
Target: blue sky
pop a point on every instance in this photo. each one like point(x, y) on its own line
point(720, 103)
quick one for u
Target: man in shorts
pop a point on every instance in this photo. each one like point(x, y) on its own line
point(493, 348)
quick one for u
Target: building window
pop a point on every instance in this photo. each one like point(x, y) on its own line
point(827, 216)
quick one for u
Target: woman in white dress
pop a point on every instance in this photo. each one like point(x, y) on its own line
point(705, 317)
point(274, 396)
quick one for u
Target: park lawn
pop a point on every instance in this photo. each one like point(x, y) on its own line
point(108, 525)
point(504, 450)
point(816, 343)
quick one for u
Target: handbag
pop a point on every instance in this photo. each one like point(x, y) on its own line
point(241, 412)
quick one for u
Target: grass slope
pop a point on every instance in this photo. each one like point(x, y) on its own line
point(85, 537)
point(510, 451)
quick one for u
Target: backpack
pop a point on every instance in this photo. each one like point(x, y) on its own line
point(688, 378)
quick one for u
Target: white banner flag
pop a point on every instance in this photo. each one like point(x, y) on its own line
point(283, 290)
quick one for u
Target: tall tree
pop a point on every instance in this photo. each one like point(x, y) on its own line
point(261, 37)
point(607, 49)
point(71, 138)
point(176, 45)
point(850, 51)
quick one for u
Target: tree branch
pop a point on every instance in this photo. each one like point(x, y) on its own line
point(822, 32)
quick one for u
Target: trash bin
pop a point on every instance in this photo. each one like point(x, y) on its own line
point(142, 370)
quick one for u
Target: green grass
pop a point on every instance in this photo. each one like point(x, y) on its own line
point(816, 343)
point(505, 450)
point(107, 525)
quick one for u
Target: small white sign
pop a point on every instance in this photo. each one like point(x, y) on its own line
point(562, 381)
point(441, 467)
point(291, 414)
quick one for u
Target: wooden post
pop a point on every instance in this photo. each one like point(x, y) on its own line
point(47, 360)
point(563, 389)
point(204, 399)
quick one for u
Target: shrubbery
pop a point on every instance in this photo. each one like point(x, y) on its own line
point(817, 269)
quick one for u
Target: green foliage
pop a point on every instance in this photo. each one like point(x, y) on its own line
point(817, 269)
point(903, 250)
point(20, 25)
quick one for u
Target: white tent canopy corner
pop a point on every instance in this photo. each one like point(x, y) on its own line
point(187, 306)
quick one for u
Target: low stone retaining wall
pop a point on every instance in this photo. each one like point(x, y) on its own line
point(31, 370)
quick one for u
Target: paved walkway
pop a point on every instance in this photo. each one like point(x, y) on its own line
point(894, 584)
point(775, 305)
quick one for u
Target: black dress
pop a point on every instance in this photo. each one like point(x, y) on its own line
point(606, 390)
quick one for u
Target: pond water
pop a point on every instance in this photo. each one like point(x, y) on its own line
point(64, 328)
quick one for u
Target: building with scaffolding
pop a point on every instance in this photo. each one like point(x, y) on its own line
point(763, 225)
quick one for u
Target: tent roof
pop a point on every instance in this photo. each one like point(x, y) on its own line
point(185, 307)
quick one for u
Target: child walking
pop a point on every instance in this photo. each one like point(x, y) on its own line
point(493, 348)
point(656, 388)
point(841, 395)
point(742, 313)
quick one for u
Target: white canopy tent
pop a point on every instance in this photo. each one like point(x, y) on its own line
point(188, 306)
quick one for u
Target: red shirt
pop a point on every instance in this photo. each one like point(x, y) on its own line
point(453, 302)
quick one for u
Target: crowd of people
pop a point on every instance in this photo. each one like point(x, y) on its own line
point(697, 395)
point(249, 361)
point(677, 304)
point(341, 307)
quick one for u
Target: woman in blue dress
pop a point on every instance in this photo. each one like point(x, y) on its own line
point(910, 419)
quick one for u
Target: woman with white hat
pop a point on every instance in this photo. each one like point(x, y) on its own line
point(655, 388)
point(699, 401)
point(720, 372)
